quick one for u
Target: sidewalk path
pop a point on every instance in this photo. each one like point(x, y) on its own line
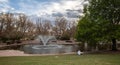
point(12, 53)
point(21, 53)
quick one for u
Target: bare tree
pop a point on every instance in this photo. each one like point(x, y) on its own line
point(72, 28)
point(64, 29)
point(7, 26)
point(30, 32)
point(14, 27)
point(60, 25)
point(43, 27)
point(2, 23)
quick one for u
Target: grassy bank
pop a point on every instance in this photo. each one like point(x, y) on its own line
point(94, 59)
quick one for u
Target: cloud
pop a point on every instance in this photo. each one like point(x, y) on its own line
point(44, 8)
point(3, 1)
point(53, 7)
point(66, 8)
point(4, 7)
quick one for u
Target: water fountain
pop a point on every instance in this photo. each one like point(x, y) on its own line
point(45, 39)
point(47, 47)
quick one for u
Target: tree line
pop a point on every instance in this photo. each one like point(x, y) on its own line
point(16, 27)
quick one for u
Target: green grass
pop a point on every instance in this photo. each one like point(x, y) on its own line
point(95, 59)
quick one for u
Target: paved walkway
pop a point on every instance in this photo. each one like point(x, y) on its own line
point(21, 53)
point(12, 53)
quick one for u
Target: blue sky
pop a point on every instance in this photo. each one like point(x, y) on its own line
point(45, 8)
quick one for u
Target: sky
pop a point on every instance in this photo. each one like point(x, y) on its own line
point(44, 8)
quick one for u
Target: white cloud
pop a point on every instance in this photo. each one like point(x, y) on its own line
point(48, 8)
point(4, 7)
point(66, 8)
point(62, 6)
point(3, 1)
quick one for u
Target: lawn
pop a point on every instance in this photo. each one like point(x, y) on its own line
point(90, 59)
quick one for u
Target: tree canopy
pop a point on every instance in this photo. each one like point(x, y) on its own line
point(100, 23)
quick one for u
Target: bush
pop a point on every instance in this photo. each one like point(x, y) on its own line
point(65, 37)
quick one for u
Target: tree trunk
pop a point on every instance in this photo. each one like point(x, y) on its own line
point(86, 46)
point(114, 45)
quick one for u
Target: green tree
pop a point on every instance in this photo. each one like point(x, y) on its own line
point(101, 22)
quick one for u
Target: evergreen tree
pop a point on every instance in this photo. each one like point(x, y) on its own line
point(100, 23)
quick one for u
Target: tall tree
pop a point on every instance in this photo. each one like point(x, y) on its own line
point(102, 20)
point(60, 26)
